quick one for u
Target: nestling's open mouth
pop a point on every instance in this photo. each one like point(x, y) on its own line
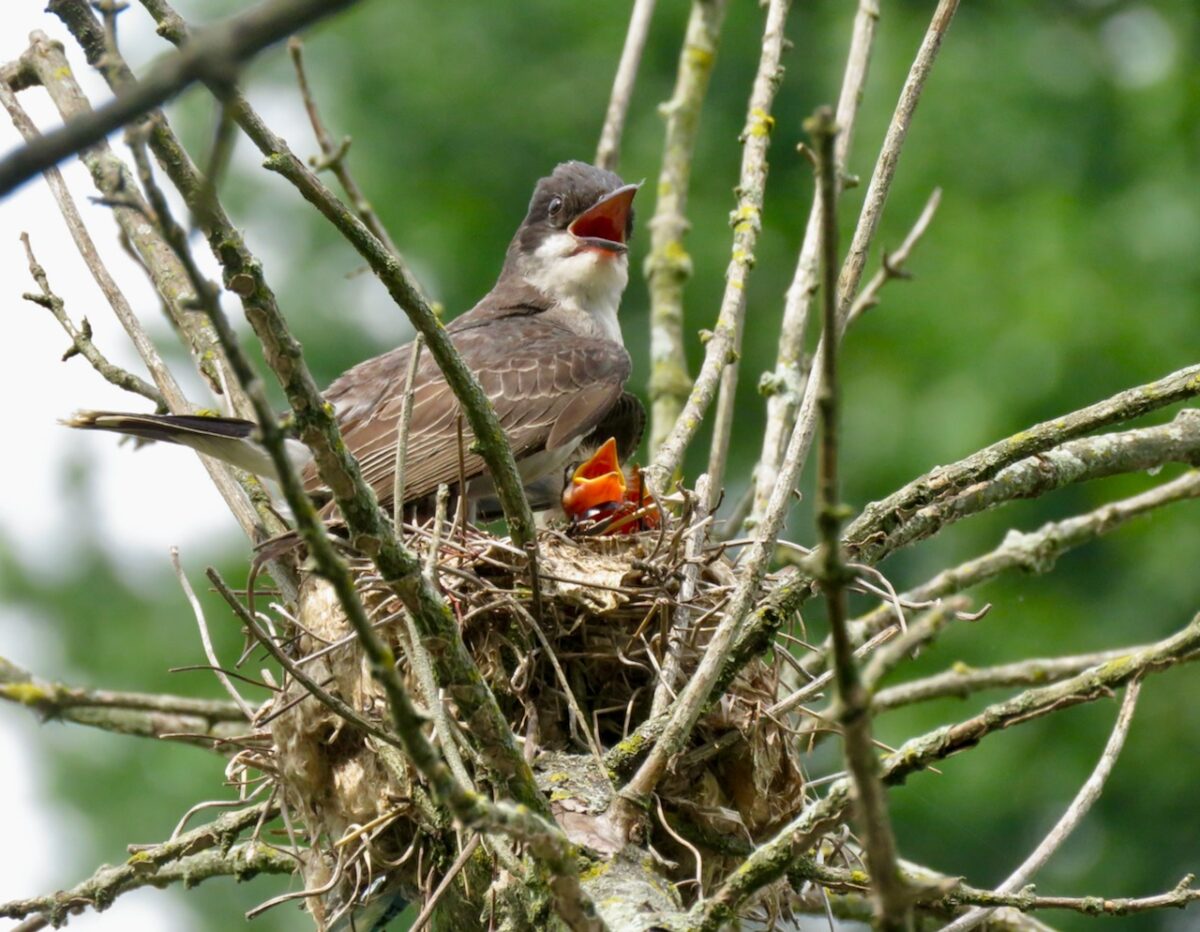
point(602, 226)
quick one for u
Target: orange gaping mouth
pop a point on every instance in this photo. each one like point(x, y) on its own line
point(599, 495)
point(603, 225)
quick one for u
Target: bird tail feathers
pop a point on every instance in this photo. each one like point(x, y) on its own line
point(231, 440)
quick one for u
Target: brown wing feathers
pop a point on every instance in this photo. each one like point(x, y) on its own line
point(548, 387)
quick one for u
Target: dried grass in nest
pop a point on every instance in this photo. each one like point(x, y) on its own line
point(607, 605)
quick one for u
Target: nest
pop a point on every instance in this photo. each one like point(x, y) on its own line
point(574, 662)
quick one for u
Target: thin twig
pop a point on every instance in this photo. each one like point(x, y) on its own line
point(333, 154)
point(148, 715)
point(892, 899)
point(331, 702)
point(681, 624)
point(1087, 795)
point(892, 266)
point(720, 358)
point(889, 153)
point(334, 879)
point(334, 157)
point(733, 643)
point(784, 385)
point(1033, 552)
point(206, 639)
point(81, 337)
point(608, 152)
point(455, 869)
point(773, 858)
point(668, 267)
point(402, 430)
point(189, 857)
point(961, 681)
point(419, 662)
point(876, 197)
point(695, 852)
point(218, 50)
point(920, 631)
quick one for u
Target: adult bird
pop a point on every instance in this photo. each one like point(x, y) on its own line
point(545, 344)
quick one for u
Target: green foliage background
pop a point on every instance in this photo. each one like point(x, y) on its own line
point(1062, 267)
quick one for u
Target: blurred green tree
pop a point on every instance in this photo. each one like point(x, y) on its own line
point(1064, 265)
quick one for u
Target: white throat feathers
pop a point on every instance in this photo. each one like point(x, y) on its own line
point(585, 282)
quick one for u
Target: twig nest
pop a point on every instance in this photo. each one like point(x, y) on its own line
point(573, 682)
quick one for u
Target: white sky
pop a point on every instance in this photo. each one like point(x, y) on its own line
point(133, 498)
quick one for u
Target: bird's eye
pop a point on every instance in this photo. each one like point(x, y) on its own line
point(556, 204)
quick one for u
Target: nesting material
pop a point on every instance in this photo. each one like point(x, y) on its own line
point(578, 683)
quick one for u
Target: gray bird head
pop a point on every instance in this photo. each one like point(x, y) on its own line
point(572, 245)
point(591, 204)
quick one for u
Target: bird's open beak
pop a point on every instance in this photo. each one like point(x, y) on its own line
point(599, 492)
point(599, 481)
point(602, 226)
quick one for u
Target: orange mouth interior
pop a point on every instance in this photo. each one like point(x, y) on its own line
point(598, 492)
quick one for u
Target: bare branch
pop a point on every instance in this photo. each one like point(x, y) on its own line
point(892, 899)
point(961, 681)
point(1034, 552)
point(608, 152)
point(889, 153)
point(747, 222)
point(668, 266)
point(876, 197)
point(783, 387)
point(774, 858)
point(206, 639)
point(720, 358)
point(81, 339)
point(943, 894)
point(243, 861)
point(944, 481)
point(334, 157)
point(1088, 794)
point(212, 56)
point(147, 715)
point(1075, 461)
